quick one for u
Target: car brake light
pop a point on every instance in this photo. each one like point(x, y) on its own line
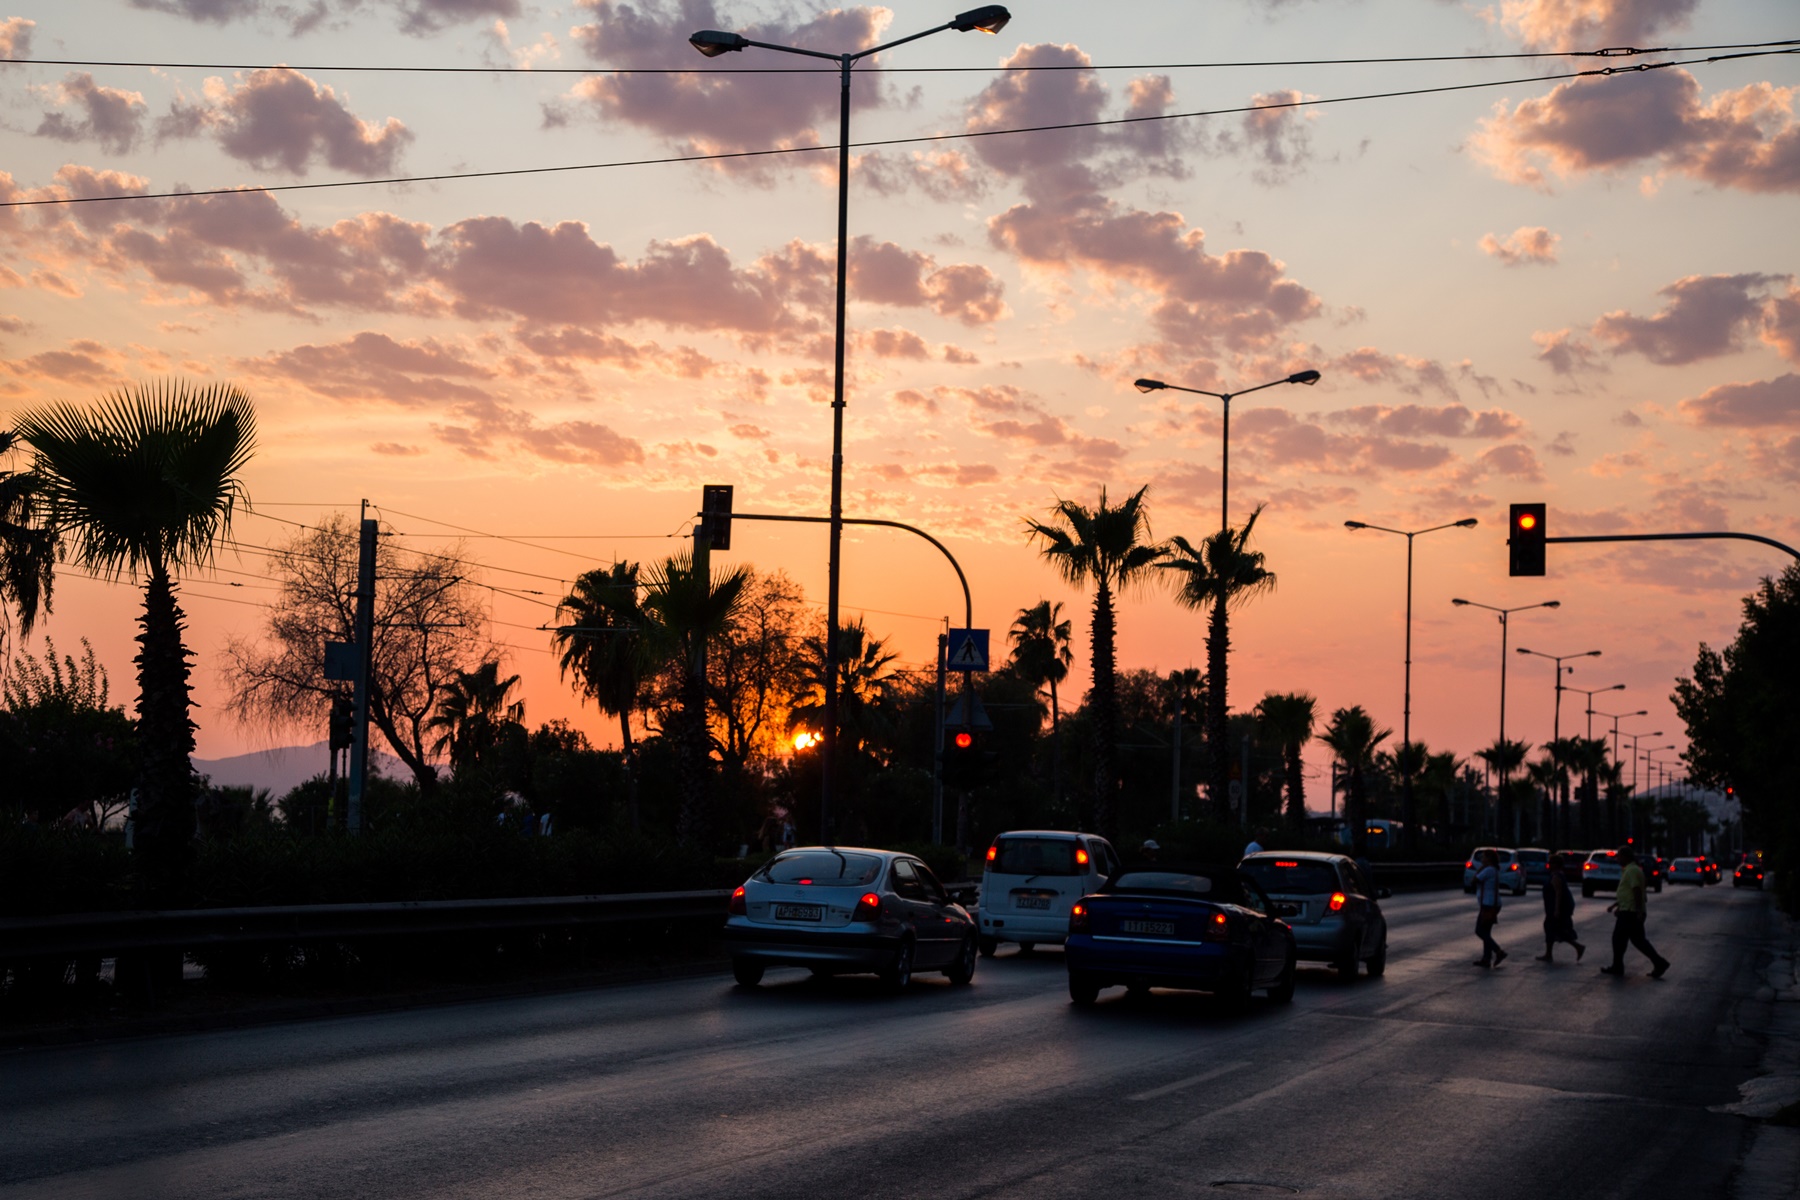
point(1286, 864)
point(1337, 901)
point(736, 907)
point(1218, 929)
point(1469, 866)
point(803, 881)
point(993, 851)
point(868, 908)
point(1078, 919)
point(1587, 866)
point(1081, 857)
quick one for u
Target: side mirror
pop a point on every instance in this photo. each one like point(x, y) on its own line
point(1382, 893)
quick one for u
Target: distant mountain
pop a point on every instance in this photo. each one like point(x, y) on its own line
point(281, 769)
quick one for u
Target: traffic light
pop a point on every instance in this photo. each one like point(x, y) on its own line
point(715, 514)
point(962, 757)
point(341, 711)
point(1525, 540)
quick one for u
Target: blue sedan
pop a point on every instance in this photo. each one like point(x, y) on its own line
point(1208, 929)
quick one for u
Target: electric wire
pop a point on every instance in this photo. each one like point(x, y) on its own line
point(923, 139)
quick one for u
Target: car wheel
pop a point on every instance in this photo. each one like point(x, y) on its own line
point(746, 972)
point(1283, 991)
point(988, 945)
point(1520, 890)
point(1346, 967)
point(1658, 888)
point(962, 970)
point(898, 973)
point(1136, 991)
point(1084, 989)
point(1378, 961)
point(1587, 892)
point(1234, 995)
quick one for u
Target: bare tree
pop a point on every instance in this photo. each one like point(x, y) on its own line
point(430, 626)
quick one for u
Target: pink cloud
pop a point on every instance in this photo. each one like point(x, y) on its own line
point(1525, 245)
point(942, 175)
point(280, 118)
point(15, 37)
point(414, 16)
point(895, 343)
point(1565, 353)
point(112, 118)
point(1781, 324)
point(1765, 404)
point(1577, 24)
point(1416, 420)
point(886, 273)
point(1706, 316)
point(374, 366)
point(1747, 138)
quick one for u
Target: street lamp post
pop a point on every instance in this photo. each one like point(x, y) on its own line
point(1504, 613)
point(989, 18)
point(1590, 693)
point(1613, 814)
point(1407, 803)
point(1562, 808)
point(1634, 755)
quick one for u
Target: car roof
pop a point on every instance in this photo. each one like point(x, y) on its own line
point(1314, 855)
point(848, 850)
point(1071, 835)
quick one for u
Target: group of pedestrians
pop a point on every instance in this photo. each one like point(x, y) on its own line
point(1628, 909)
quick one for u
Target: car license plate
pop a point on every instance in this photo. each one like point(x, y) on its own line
point(1290, 910)
point(799, 912)
point(1031, 902)
point(1153, 928)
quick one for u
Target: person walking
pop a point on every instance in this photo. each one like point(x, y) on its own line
point(1487, 896)
point(1559, 912)
point(1628, 911)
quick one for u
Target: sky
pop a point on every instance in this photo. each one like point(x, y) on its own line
point(1583, 291)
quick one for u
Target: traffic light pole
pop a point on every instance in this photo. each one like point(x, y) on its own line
point(1676, 537)
point(365, 645)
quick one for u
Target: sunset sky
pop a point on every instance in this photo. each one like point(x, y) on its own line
point(1584, 292)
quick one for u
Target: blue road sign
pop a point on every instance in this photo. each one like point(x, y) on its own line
point(967, 650)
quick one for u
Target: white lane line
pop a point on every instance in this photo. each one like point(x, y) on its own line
point(1190, 1081)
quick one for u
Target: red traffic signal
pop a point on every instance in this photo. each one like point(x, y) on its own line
point(963, 739)
point(1525, 540)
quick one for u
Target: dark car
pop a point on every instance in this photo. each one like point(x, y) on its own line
point(1749, 873)
point(1329, 903)
point(1203, 928)
point(1709, 867)
point(843, 910)
point(1536, 863)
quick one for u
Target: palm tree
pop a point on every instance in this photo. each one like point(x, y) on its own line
point(865, 684)
point(1221, 574)
point(1547, 774)
point(602, 647)
point(1041, 654)
point(472, 716)
point(1503, 758)
point(683, 608)
point(1565, 754)
point(1109, 547)
point(146, 482)
point(1587, 757)
point(1352, 736)
point(27, 550)
point(1290, 718)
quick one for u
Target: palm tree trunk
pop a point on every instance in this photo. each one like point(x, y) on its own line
point(1056, 779)
point(691, 762)
point(1106, 715)
point(1296, 786)
point(165, 815)
point(631, 783)
point(1356, 812)
point(1218, 646)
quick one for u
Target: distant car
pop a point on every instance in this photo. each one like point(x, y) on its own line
point(1687, 870)
point(1600, 872)
point(843, 910)
point(1537, 865)
point(1710, 866)
point(1031, 880)
point(1512, 872)
point(1749, 873)
point(1656, 869)
point(1329, 903)
point(1204, 928)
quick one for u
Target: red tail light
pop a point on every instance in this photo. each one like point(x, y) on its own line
point(1081, 857)
point(1469, 866)
point(736, 907)
point(1078, 919)
point(1338, 900)
point(1216, 929)
point(1587, 866)
point(868, 908)
point(993, 852)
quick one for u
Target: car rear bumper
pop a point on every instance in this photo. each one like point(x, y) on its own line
point(1326, 941)
point(1153, 964)
point(1043, 928)
point(850, 949)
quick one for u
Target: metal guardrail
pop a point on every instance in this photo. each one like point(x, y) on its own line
point(107, 934)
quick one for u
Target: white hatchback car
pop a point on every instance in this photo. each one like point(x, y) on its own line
point(1032, 879)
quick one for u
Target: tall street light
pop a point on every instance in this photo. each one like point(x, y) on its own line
point(989, 18)
point(1652, 768)
point(1307, 377)
point(1407, 803)
point(1562, 808)
point(1634, 756)
point(1505, 613)
point(1613, 814)
point(1590, 693)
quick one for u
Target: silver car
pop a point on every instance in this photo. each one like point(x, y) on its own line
point(845, 910)
point(1329, 903)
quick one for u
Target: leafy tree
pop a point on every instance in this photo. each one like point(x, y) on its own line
point(65, 746)
point(145, 483)
point(1352, 735)
point(757, 668)
point(27, 549)
point(429, 626)
point(476, 716)
point(1289, 718)
point(1224, 572)
point(1041, 655)
point(1109, 547)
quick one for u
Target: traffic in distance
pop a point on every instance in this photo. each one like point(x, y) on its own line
point(1228, 929)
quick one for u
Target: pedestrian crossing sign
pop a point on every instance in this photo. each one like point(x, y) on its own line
point(967, 650)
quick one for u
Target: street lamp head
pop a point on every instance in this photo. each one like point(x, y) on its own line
point(989, 18)
point(1355, 525)
point(1551, 604)
point(1467, 523)
point(1308, 377)
point(1459, 603)
point(714, 42)
point(1149, 385)
point(1617, 687)
point(1589, 654)
point(1523, 650)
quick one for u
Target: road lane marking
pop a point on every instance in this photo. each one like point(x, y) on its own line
point(1191, 1081)
point(1496, 1089)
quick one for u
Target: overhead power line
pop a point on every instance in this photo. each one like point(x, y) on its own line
point(447, 176)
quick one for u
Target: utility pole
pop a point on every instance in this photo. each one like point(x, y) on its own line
point(1175, 767)
point(937, 744)
point(365, 643)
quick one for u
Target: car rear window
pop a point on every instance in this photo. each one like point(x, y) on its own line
point(1035, 856)
point(1163, 881)
point(1286, 876)
point(1534, 856)
point(823, 868)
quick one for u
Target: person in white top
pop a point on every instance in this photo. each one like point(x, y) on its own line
point(1487, 896)
point(1255, 846)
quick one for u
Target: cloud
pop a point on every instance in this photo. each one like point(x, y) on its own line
point(1706, 316)
point(1416, 420)
point(108, 116)
point(1765, 404)
point(1410, 374)
point(1575, 24)
point(280, 118)
point(894, 343)
point(1277, 136)
point(84, 362)
point(887, 273)
point(1565, 353)
point(1781, 324)
point(1525, 245)
point(374, 366)
point(414, 16)
point(1746, 139)
point(942, 175)
point(15, 37)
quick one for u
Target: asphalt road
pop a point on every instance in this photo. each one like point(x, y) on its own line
point(1438, 1080)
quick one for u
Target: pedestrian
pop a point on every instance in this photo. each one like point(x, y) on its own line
point(1628, 911)
point(1255, 844)
point(1487, 897)
point(1559, 912)
point(1150, 851)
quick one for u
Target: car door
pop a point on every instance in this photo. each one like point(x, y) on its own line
point(949, 925)
point(1267, 944)
point(1374, 923)
point(920, 915)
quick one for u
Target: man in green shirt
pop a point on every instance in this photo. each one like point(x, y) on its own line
point(1628, 919)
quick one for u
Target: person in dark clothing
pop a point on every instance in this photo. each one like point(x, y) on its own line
point(1559, 912)
point(1487, 899)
